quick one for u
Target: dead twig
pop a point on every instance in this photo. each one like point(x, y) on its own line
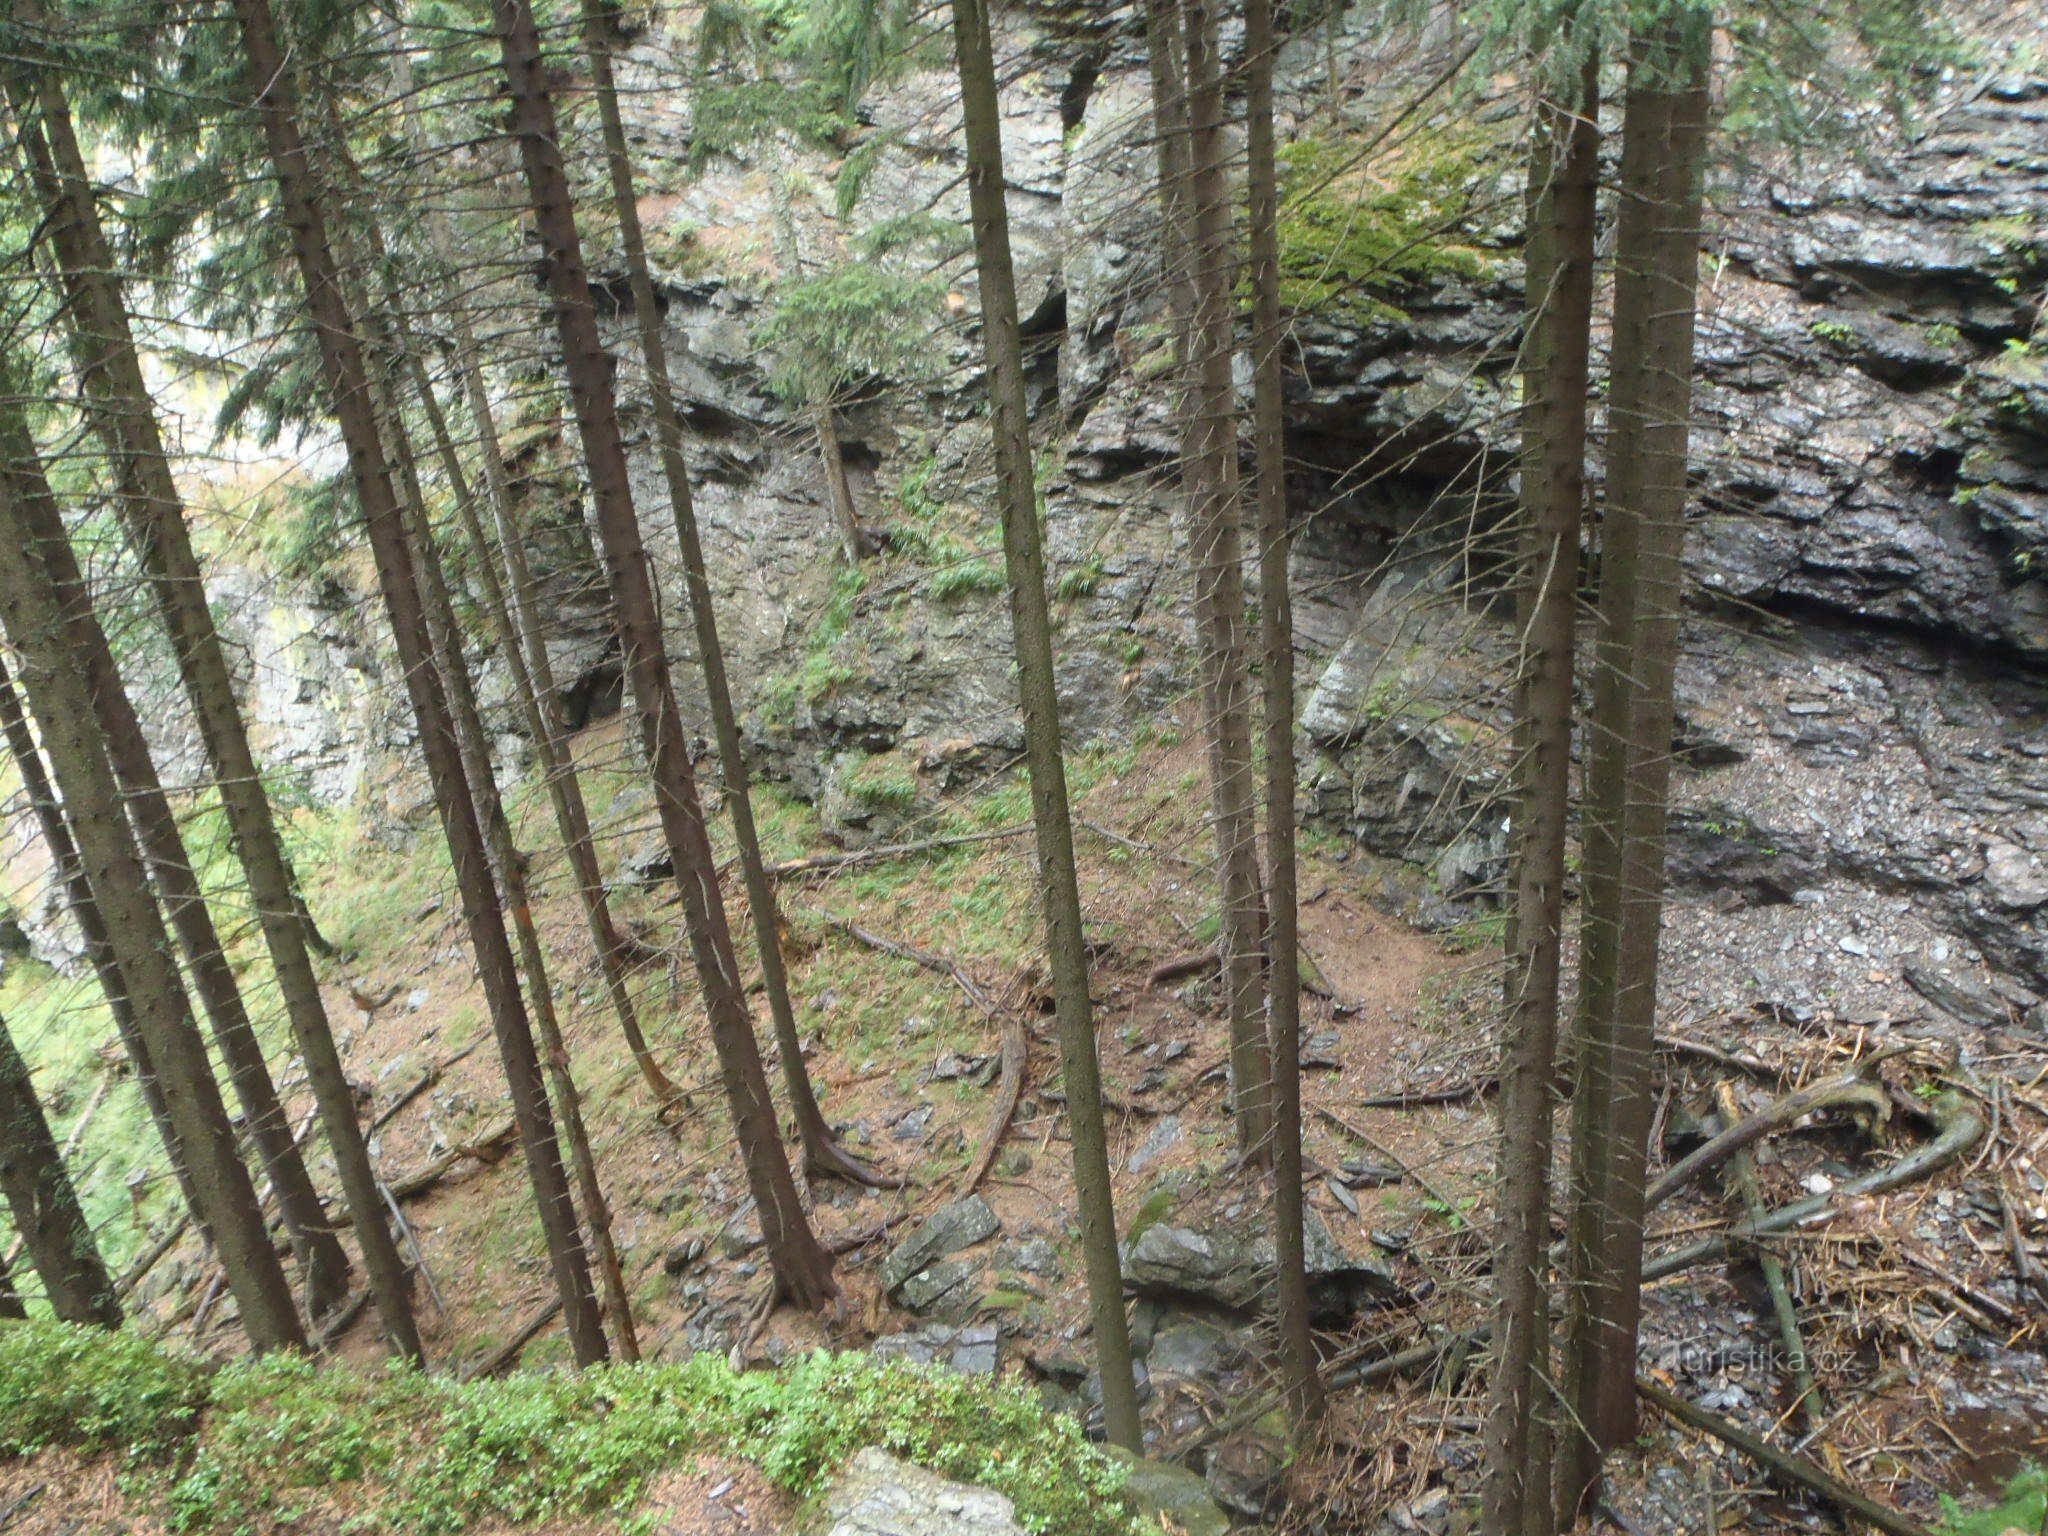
point(1358, 1133)
point(1787, 1467)
point(938, 964)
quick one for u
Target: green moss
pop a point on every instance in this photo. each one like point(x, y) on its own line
point(1357, 231)
point(2023, 1507)
point(1832, 331)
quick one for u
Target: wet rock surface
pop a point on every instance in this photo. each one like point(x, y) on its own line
point(879, 1495)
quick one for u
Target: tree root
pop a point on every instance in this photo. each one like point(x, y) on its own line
point(1961, 1128)
point(1807, 1402)
point(1851, 1087)
point(827, 1159)
point(1783, 1465)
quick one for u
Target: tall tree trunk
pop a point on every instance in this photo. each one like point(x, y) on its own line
point(1031, 623)
point(319, 1253)
point(802, 1269)
point(33, 618)
point(64, 859)
point(1200, 217)
point(444, 633)
point(154, 515)
point(348, 383)
point(1656, 258)
point(514, 617)
point(1276, 625)
point(44, 1205)
point(1564, 166)
point(822, 1153)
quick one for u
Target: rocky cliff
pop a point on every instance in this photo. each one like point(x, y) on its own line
point(1862, 823)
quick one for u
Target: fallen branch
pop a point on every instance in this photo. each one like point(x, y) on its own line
point(817, 862)
point(1807, 1402)
point(484, 1148)
point(1137, 847)
point(1180, 967)
point(1961, 1128)
point(1784, 1465)
point(1463, 1093)
point(1853, 1087)
point(2023, 1269)
point(148, 1261)
point(505, 1355)
point(1016, 1045)
point(1358, 1133)
point(426, 1080)
point(1714, 1053)
point(903, 950)
point(340, 1322)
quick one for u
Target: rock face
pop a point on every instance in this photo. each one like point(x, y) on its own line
point(877, 1495)
point(1233, 1268)
point(1865, 671)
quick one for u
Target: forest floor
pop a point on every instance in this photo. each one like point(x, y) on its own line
point(1925, 1346)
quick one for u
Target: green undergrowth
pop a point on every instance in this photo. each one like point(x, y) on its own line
point(260, 1443)
point(2023, 1507)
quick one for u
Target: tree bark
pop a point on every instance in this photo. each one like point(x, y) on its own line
point(45, 1206)
point(1558, 304)
point(348, 383)
point(1656, 257)
point(63, 851)
point(1215, 552)
point(803, 1271)
point(822, 1152)
point(1276, 636)
point(1031, 624)
point(154, 515)
point(320, 1255)
point(57, 693)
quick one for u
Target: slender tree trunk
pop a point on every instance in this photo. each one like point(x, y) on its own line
point(1031, 621)
point(11, 1306)
point(1656, 256)
point(444, 633)
point(1563, 181)
point(348, 383)
point(45, 1206)
point(802, 1269)
point(1276, 624)
point(837, 481)
point(64, 859)
point(154, 514)
point(822, 1153)
point(320, 1254)
point(513, 616)
point(58, 695)
point(1198, 241)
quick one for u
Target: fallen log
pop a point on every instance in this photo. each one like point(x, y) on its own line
point(1784, 1465)
point(486, 1149)
point(148, 1261)
point(1463, 1093)
point(502, 1359)
point(413, 1090)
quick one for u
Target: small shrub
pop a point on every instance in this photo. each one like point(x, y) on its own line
point(61, 1384)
